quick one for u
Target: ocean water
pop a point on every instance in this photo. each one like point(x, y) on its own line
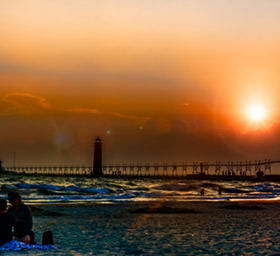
point(97, 219)
point(46, 190)
point(213, 230)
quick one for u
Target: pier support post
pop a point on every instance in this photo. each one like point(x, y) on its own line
point(201, 168)
point(1, 168)
point(97, 158)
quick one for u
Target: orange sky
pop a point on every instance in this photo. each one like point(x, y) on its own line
point(157, 80)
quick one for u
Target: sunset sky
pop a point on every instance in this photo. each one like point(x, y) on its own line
point(158, 80)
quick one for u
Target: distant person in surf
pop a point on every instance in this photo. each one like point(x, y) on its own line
point(23, 219)
point(202, 192)
point(220, 190)
point(6, 223)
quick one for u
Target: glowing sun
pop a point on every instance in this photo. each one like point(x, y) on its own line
point(257, 113)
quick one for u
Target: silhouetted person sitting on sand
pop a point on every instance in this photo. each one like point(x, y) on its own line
point(6, 223)
point(23, 218)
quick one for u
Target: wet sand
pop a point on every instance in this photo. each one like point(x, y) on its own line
point(205, 228)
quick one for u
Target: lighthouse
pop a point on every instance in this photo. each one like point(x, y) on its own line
point(97, 158)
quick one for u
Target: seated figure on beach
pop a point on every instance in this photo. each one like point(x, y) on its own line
point(6, 223)
point(23, 218)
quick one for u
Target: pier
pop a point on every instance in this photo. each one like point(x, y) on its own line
point(160, 170)
point(240, 170)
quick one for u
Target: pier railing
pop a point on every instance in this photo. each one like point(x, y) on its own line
point(185, 169)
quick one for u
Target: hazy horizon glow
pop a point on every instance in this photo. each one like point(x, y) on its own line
point(157, 80)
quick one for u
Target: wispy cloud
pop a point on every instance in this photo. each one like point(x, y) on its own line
point(24, 103)
point(113, 114)
point(84, 110)
point(27, 103)
point(130, 117)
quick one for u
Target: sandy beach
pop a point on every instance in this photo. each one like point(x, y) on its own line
point(215, 228)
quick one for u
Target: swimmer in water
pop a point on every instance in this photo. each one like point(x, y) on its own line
point(202, 192)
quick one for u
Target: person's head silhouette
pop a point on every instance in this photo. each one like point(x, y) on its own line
point(3, 205)
point(14, 199)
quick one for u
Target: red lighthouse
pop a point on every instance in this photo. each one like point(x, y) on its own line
point(97, 158)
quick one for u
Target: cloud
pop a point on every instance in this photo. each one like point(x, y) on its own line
point(21, 99)
point(24, 103)
point(84, 110)
point(27, 103)
point(130, 117)
point(113, 114)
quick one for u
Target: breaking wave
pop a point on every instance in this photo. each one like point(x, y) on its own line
point(44, 190)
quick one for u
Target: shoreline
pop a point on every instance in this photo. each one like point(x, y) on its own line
point(159, 202)
point(154, 208)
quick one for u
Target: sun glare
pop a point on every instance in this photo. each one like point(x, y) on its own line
point(257, 113)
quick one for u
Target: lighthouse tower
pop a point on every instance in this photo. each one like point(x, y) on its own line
point(97, 158)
